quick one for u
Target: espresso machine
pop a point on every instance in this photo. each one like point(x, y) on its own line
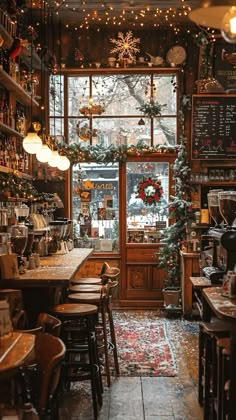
point(218, 246)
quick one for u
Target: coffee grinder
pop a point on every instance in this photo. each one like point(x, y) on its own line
point(227, 207)
point(19, 234)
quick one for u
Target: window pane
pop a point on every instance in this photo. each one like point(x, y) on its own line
point(78, 94)
point(56, 98)
point(142, 219)
point(120, 94)
point(164, 131)
point(165, 93)
point(119, 131)
point(95, 205)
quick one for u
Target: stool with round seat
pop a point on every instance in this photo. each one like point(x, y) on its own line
point(85, 288)
point(106, 331)
point(92, 280)
point(78, 333)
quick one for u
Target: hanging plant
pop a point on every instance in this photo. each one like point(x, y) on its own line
point(149, 190)
point(151, 108)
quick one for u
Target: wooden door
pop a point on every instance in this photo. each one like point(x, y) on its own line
point(141, 278)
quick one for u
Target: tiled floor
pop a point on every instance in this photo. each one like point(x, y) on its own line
point(147, 398)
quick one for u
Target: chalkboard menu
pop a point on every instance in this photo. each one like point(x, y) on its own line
point(213, 127)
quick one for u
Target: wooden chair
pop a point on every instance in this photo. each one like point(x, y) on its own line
point(49, 323)
point(43, 379)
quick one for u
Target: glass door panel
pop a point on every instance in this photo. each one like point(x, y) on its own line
point(146, 204)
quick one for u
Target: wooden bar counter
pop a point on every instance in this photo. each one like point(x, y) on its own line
point(43, 286)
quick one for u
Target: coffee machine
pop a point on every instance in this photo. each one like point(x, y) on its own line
point(218, 246)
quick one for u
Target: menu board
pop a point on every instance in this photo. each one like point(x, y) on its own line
point(213, 127)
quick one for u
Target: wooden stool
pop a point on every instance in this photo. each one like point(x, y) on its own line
point(92, 280)
point(85, 288)
point(78, 334)
point(223, 357)
point(104, 303)
point(209, 332)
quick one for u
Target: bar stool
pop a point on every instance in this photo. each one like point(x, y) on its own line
point(223, 358)
point(92, 280)
point(209, 332)
point(105, 328)
point(78, 334)
point(85, 288)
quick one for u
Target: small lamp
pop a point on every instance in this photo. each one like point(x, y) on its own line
point(32, 143)
point(210, 13)
point(228, 26)
point(63, 164)
point(55, 158)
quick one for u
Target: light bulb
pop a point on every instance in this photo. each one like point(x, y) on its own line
point(63, 164)
point(54, 160)
point(32, 143)
point(228, 26)
point(44, 154)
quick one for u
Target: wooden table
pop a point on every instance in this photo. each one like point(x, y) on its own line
point(42, 286)
point(16, 349)
point(225, 308)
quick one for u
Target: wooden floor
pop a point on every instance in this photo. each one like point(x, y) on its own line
point(147, 398)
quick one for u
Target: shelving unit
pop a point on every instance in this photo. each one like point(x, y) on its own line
point(21, 95)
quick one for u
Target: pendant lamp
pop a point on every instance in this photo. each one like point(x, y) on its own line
point(63, 164)
point(55, 159)
point(210, 13)
point(44, 154)
point(32, 143)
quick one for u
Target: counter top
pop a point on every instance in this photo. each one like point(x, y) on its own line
point(223, 307)
point(55, 270)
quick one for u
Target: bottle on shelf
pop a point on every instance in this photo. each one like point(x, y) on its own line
point(6, 113)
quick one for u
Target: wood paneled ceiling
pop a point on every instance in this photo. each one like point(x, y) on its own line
point(128, 14)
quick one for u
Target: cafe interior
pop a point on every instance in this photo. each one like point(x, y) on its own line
point(117, 216)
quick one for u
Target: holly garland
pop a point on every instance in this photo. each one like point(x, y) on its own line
point(79, 152)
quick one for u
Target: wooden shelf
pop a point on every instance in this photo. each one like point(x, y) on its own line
point(25, 54)
point(6, 170)
point(23, 97)
point(6, 129)
point(214, 183)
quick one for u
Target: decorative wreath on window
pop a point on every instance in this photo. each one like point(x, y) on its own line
point(149, 190)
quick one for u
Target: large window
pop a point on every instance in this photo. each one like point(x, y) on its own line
point(105, 110)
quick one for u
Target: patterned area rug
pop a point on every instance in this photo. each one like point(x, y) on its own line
point(143, 346)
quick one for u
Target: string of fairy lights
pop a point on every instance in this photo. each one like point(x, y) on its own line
point(116, 14)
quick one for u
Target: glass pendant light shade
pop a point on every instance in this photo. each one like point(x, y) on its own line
point(228, 26)
point(210, 13)
point(64, 163)
point(44, 154)
point(55, 158)
point(32, 143)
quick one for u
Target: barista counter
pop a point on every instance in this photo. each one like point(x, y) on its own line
point(47, 284)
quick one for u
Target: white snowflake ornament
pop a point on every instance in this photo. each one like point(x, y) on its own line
point(125, 46)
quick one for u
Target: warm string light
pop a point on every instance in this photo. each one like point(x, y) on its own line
point(131, 15)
